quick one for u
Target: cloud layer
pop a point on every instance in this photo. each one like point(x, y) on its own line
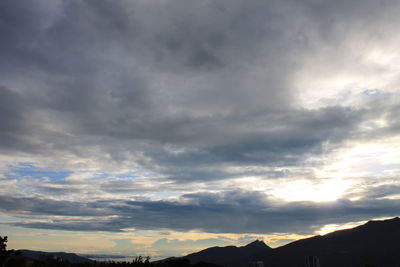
point(229, 212)
point(187, 115)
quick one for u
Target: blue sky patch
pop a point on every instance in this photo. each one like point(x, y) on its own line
point(28, 170)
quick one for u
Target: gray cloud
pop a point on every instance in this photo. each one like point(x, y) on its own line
point(183, 90)
point(115, 75)
point(229, 212)
point(40, 206)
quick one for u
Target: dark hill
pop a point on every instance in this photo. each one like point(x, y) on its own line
point(41, 255)
point(376, 243)
point(230, 254)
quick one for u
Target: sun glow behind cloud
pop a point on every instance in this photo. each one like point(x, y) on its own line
point(306, 190)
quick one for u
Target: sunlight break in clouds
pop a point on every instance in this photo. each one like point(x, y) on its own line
point(150, 126)
point(328, 190)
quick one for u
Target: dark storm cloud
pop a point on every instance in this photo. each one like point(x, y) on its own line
point(228, 212)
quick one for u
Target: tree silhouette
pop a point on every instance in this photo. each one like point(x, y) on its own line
point(3, 249)
point(3, 245)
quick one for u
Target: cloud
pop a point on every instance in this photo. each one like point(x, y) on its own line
point(108, 97)
point(190, 97)
point(230, 212)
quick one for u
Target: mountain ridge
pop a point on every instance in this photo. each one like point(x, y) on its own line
point(375, 243)
point(225, 255)
point(37, 255)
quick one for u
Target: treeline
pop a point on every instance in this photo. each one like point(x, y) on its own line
point(20, 261)
point(11, 258)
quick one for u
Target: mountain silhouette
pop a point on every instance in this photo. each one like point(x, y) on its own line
point(230, 254)
point(38, 255)
point(376, 243)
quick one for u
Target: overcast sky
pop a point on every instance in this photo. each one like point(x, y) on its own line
point(164, 126)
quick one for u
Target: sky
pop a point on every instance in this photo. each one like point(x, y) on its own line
point(161, 127)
